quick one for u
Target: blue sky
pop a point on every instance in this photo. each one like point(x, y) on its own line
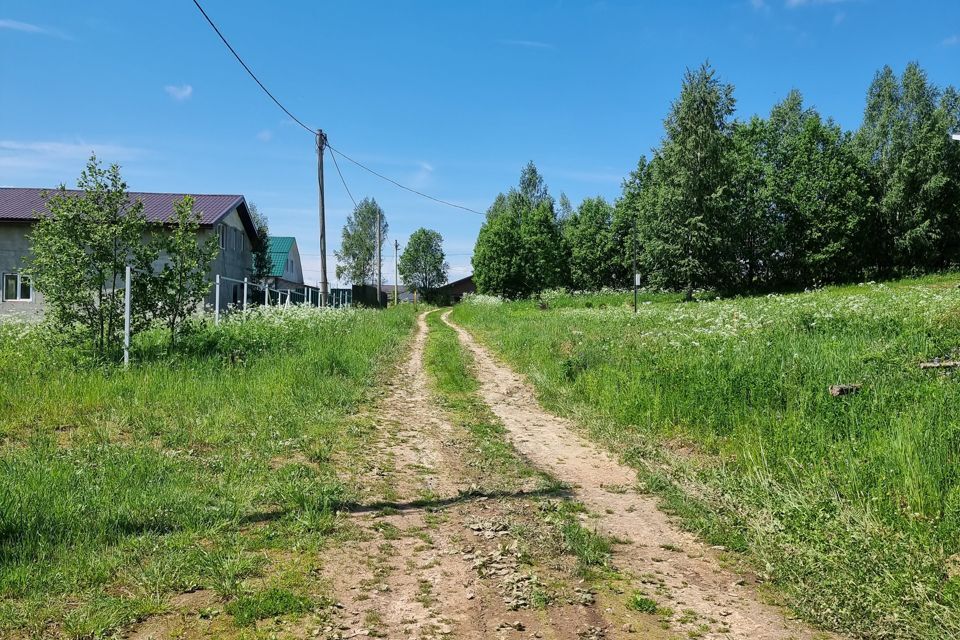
point(449, 97)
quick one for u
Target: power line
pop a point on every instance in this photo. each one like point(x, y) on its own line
point(252, 75)
point(313, 132)
point(337, 165)
point(403, 186)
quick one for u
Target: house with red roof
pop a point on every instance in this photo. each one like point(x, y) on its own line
point(225, 216)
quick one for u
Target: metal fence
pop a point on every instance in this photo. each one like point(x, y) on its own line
point(242, 295)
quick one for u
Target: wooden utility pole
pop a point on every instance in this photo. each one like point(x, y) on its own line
point(396, 270)
point(636, 283)
point(379, 263)
point(321, 144)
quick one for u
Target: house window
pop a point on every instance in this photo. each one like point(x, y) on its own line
point(16, 288)
point(222, 234)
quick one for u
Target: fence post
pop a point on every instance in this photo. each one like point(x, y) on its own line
point(126, 320)
point(245, 293)
point(216, 301)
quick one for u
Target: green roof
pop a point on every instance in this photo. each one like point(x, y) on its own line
point(279, 250)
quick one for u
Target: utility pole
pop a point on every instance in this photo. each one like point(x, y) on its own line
point(379, 263)
point(635, 282)
point(321, 144)
point(396, 270)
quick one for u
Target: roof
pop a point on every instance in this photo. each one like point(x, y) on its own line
point(18, 203)
point(278, 247)
point(387, 287)
point(462, 282)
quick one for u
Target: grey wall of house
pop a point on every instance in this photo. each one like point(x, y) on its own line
point(14, 248)
point(230, 262)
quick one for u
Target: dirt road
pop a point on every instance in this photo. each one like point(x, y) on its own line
point(437, 558)
point(715, 600)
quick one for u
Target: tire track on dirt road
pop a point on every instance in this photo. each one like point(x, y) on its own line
point(430, 557)
point(715, 602)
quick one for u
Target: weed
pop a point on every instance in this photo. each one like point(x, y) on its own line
point(640, 602)
point(274, 601)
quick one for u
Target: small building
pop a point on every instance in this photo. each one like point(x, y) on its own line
point(459, 288)
point(286, 271)
point(225, 216)
point(403, 293)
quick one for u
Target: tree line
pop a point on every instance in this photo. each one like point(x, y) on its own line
point(777, 203)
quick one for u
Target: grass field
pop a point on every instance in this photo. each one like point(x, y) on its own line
point(850, 505)
point(190, 471)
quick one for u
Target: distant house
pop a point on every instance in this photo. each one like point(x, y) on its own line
point(459, 288)
point(286, 271)
point(403, 294)
point(225, 216)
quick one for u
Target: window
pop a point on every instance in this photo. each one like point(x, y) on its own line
point(16, 288)
point(222, 234)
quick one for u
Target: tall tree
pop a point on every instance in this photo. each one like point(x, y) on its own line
point(819, 194)
point(497, 264)
point(904, 140)
point(79, 254)
point(262, 265)
point(756, 228)
point(685, 239)
point(182, 281)
point(423, 267)
point(357, 257)
point(520, 249)
point(593, 251)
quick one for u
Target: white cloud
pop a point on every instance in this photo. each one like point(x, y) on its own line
point(179, 93)
point(26, 27)
point(422, 177)
point(265, 136)
point(952, 41)
point(528, 44)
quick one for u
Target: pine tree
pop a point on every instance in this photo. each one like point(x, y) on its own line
point(683, 224)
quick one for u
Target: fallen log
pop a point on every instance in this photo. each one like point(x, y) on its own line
point(940, 364)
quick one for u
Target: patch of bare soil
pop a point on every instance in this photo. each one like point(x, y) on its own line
point(670, 565)
point(183, 613)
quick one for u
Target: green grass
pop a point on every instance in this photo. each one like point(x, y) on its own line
point(271, 602)
point(120, 488)
point(850, 505)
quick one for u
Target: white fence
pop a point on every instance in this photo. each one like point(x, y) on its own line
point(253, 293)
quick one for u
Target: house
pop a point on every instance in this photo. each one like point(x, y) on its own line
point(286, 271)
point(459, 288)
point(225, 216)
point(403, 293)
